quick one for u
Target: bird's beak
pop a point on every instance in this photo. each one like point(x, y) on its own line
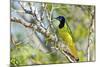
point(57, 18)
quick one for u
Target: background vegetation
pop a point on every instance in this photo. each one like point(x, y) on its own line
point(30, 28)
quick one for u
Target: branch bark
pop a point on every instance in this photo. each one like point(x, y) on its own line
point(91, 37)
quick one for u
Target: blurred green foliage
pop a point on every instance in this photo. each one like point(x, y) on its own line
point(77, 16)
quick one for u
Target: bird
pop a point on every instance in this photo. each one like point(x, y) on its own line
point(64, 32)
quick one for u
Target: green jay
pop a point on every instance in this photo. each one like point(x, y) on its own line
point(64, 32)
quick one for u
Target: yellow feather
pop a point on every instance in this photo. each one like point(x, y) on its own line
point(67, 38)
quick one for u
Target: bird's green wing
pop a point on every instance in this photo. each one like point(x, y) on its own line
point(69, 31)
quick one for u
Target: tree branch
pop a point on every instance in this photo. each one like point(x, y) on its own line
point(91, 35)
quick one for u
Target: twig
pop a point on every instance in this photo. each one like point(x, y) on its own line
point(12, 40)
point(26, 11)
point(91, 30)
point(21, 21)
point(30, 6)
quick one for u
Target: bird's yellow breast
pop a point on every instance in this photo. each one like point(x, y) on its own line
point(67, 39)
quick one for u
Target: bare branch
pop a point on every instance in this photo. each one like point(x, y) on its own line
point(30, 6)
point(26, 11)
point(90, 37)
point(21, 21)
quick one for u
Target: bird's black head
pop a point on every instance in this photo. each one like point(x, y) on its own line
point(62, 21)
